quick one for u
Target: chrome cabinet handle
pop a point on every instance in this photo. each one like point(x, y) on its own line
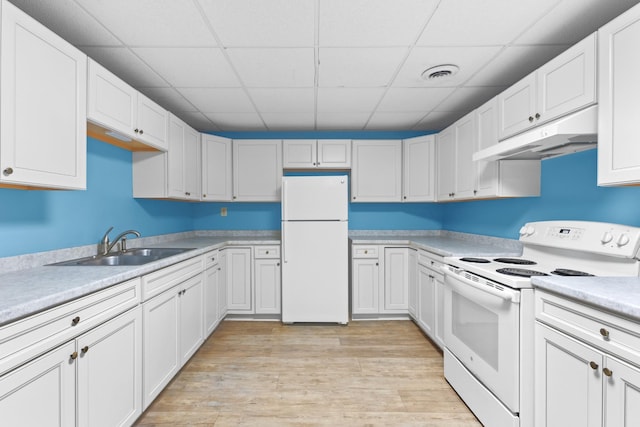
point(7, 171)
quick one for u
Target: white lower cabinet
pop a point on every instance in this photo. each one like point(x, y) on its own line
point(267, 280)
point(239, 280)
point(380, 280)
point(430, 296)
point(587, 366)
point(426, 301)
point(211, 292)
point(173, 331)
point(223, 303)
point(97, 376)
point(412, 295)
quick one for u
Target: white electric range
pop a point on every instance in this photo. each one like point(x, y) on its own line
point(489, 313)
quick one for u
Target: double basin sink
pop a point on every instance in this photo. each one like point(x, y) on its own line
point(138, 256)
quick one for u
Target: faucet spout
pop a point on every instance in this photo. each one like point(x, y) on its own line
point(104, 247)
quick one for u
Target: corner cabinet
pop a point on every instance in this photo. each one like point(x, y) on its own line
point(43, 111)
point(120, 115)
point(216, 169)
point(419, 169)
point(376, 174)
point(316, 154)
point(257, 170)
point(619, 100)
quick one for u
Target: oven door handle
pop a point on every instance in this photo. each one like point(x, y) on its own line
point(505, 294)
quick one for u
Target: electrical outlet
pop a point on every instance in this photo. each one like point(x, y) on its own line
point(223, 211)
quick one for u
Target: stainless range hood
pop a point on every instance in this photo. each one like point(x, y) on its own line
point(569, 134)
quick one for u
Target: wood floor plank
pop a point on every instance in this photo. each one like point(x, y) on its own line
point(269, 374)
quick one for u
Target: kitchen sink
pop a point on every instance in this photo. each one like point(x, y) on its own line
point(138, 256)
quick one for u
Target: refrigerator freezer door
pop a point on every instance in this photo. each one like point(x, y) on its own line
point(316, 198)
point(315, 276)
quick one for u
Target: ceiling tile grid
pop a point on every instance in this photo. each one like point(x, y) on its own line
point(225, 65)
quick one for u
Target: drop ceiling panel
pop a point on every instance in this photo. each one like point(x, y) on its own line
point(219, 100)
point(152, 22)
point(237, 121)
point(85, 29)
point(482, 23)
point(197, 120)
point(283, 100)
point(262, 67)
point(394, 121)
point(190, 67)
point(468, 59)
point(289, 121)
point(413, 99)
point(125, 64)
point(359, 67)
point(438, 120)
point(463, 97)
point(341, 121)
point(372, 22)
point(351, 100)
point(169, 98)
point(253, 23)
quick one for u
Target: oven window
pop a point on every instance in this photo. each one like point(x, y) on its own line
point(476, 327)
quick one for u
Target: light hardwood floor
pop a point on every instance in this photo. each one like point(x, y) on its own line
point(269, 374)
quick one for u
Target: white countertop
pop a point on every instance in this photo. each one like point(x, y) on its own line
point(620, 295)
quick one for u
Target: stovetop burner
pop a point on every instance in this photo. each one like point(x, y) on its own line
point(520, 272)
point(477, 260)
point(518, 261)
point(568, 272)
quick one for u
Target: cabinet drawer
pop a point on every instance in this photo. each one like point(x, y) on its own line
point(161, 280)
point(267, 252)
point(211, 258)
point(365, 251)
point(613, 334)
point(429, 260)
point(24, 339)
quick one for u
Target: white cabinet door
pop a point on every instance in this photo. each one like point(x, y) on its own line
point(43, 137)
point(42, 392)
point(334, 154)
point(192, 177)
point(377, 171)
point(622, 394)
point(419, 169)
point(446, 154)
point(299, 153)
point(110, 372)
point(619, 100)
point(396, 281)
point(568, 82)
point(487, 136)
point(465, 167)
point(517, 107)
point(365, 286)
point(439, 309)
point(216, 169)
point(568, 381)
point(182, 161)
point(161, 360)
point(223, 303)
point(257, 170)
point(426, 301)
point(211, 304)
point(413, 284)
point(152, 120)
point(267, 286)
point(190, 296)
point(239, 280)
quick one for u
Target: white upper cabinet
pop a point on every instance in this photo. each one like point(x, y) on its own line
point(310, 153)
point(456, 170)
point(174, 174)
point(565, 84)
point(445, 155)
point(419, 169)
point(216, 169)
point(43, 83)
point(120, 115)
point(619, 100)
point(377, 171)
point(257, 170)
point(502, 178)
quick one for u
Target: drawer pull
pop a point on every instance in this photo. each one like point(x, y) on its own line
point(593, 365)
point(604, 332)
point(84, 349)
point(366, 251)
point(608, 372)
point(213, 259)
point(267, 252)
point(74, 355)
point(75, 321)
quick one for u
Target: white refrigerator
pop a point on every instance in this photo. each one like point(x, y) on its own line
point(315, 244)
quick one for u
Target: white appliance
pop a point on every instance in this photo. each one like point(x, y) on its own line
point(489, 310)
point(315, 244)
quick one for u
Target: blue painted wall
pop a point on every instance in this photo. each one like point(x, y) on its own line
point(569, 191)
point(35, 221)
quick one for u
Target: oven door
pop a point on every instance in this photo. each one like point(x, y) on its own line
point(482, 329)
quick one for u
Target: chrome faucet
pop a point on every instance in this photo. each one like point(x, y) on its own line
point(104, 246)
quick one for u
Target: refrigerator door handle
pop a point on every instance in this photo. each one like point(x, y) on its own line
point(282, 241)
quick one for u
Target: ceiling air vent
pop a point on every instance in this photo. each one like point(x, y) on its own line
point(440, 72)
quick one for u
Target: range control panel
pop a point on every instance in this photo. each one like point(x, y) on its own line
point(596, 237)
